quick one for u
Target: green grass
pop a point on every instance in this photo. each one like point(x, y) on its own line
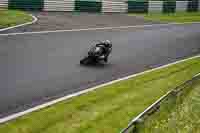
point(173, 17)
point(13, 17)
point(108, 109)
point(177, 115)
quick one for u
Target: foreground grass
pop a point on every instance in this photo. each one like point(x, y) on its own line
point(12, 17)
point(177, 115)
point(173, 17)
point(107, 109)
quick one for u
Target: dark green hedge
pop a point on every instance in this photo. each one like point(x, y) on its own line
point(88, 6)
point(193, 6)
point(169, 6)
point(138, 6)
point(26, 4)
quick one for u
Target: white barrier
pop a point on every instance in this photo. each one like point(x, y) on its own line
point(181, 5)
point(59, 5)
point(199, 5)
point(3, 3)
point(109, 6)
point(155, 6)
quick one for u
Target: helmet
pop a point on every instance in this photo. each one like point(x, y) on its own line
point(108, 43)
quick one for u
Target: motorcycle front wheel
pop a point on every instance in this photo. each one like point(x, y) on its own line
point(85, 61)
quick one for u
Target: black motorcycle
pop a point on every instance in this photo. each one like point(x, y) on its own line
point(95, 55)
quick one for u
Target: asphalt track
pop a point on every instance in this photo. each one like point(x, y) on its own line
point(35, 68)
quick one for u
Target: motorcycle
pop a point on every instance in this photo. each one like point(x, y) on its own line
point(95, 55)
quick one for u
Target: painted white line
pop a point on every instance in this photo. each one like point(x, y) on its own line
point(88, 29)
point(16, 115)
point(20, 25)
point(103, 28)
point(182, 23)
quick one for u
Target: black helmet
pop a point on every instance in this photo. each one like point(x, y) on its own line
point(108, 43)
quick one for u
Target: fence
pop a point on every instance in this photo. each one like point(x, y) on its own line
point(181, 5)
point(59, 5)
point(109, 6)
point(3, 3)
point(103, 6)
point(132, 127)
point(155, 6)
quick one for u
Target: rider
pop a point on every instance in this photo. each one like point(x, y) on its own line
point(107, 47)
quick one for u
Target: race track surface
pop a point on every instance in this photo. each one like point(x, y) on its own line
point(40, 67)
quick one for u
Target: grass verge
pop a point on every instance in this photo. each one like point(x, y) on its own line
point(179, 17)
point(13, 17)
point(108, 109)
point(177, 114)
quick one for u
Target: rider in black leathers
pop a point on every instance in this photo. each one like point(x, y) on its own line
point(107, 48)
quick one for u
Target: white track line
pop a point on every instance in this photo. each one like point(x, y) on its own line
point(103, 28)
point(20, 25)
point(16, 115)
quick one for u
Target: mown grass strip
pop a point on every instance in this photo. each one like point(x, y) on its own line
point(179, 17)
point(13, 17)
point(107, 109)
